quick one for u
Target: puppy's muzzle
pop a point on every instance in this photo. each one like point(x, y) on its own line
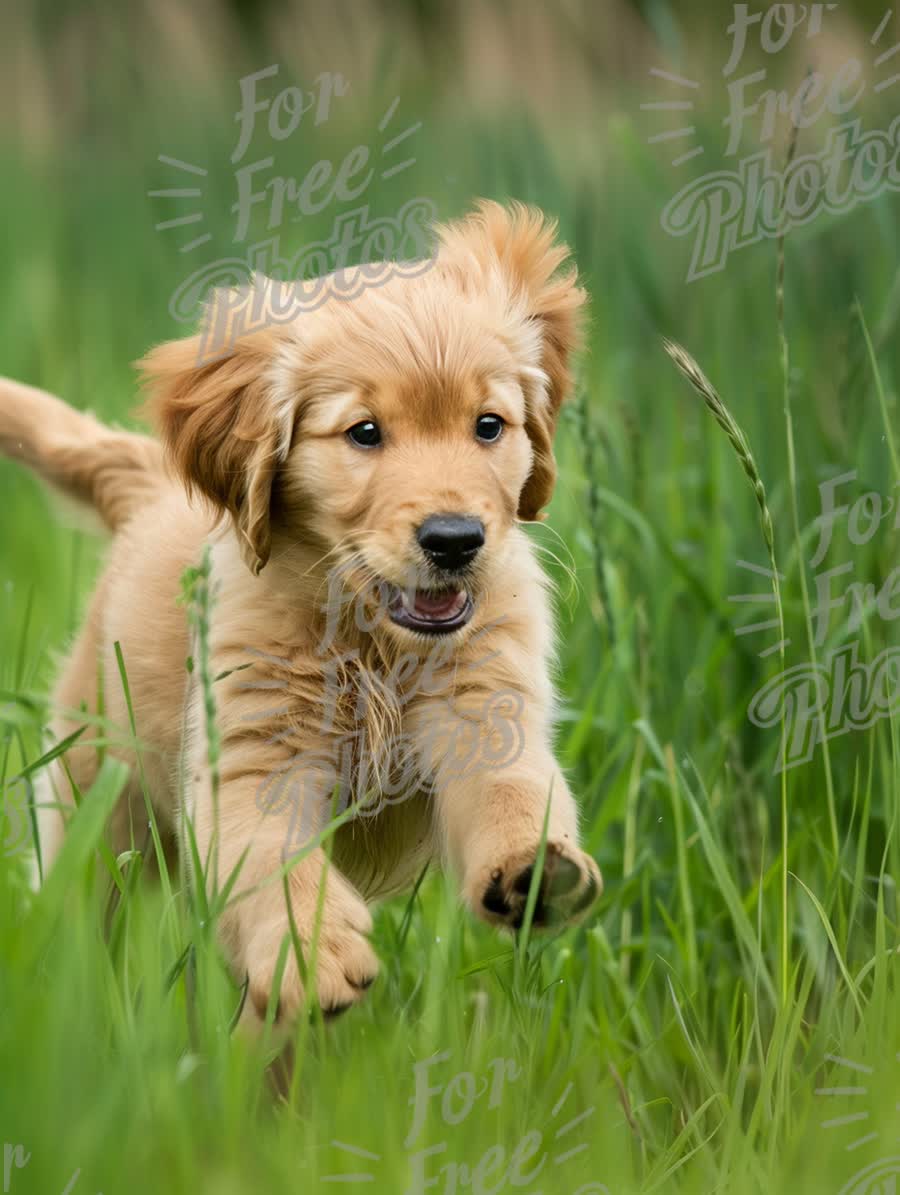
point(450, 541)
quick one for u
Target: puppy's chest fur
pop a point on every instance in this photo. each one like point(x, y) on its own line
point(376, 720)
point(369, 726)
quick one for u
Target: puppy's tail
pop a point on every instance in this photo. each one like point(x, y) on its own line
point(112, 471)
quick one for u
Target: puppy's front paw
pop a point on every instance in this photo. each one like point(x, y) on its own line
point(345, 964)
point(570, 885)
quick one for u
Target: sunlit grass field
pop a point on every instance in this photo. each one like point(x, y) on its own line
point(743, 964)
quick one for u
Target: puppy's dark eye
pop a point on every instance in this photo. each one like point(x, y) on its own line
point(365, 434)
point(488, 428)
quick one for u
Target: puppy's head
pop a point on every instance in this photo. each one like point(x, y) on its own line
point(402, 433)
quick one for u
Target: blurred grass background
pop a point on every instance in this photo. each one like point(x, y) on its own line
point(694, 1060)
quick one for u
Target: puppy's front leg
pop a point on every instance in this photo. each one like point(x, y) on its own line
point(269, 823)
point(494, 774)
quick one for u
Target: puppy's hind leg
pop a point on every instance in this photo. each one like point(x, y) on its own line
point(77, 688)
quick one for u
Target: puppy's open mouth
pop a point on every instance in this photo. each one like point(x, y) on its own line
point(431, 611)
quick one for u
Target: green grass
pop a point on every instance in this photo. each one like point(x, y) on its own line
point(734, 950)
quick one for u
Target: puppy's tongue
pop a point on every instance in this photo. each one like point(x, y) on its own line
point(435, 607)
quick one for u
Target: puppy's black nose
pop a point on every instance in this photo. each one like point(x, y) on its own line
point(451, 541)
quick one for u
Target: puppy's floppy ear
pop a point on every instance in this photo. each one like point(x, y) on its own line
point(522, 241)
point(224, 432)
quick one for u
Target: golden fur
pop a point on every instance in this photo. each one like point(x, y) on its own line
point(257, 440)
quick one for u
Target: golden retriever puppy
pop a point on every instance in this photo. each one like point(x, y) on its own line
point(380, 630)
